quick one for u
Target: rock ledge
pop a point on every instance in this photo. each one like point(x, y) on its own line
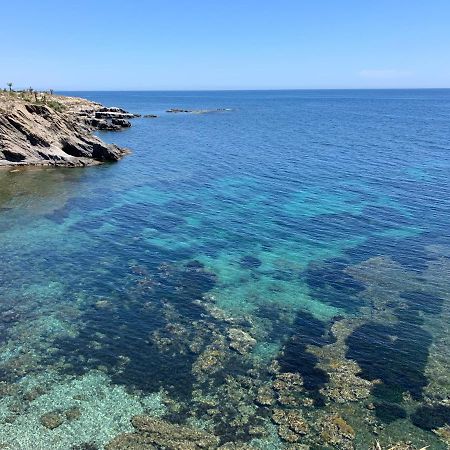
point(56, 132)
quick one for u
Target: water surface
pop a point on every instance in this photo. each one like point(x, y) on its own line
point(290, 255)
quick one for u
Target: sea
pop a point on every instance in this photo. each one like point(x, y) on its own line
point(268, 271)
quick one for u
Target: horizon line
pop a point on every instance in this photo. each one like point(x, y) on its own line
point(254, 89)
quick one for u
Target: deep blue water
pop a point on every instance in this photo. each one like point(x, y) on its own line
point(288, 214)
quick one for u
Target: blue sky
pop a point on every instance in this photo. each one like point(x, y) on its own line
point(232, 44)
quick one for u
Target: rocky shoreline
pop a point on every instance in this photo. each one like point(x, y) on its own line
point(43, 130)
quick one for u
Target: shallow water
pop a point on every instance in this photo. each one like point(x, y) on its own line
point(301, 232)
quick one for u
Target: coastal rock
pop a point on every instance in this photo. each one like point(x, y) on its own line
point(37, 134)
point(123, 123)
point(113, 109)
point(103, 125)
point(113, 115)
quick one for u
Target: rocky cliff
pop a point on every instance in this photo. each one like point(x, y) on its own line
point(56, 131)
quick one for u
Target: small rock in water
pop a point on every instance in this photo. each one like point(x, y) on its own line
point(178, 110)
point(73, 413)
point(86, 446)
point(51, 420)
point(102, 304)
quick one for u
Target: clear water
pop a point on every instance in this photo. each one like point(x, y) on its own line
point(317, 222)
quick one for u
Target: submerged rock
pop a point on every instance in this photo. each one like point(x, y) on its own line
point(265, 396)
point(52, 420)
point(291, 424)
point(289, 387)
point(102, 304)
point(85, 446)
point(336, 431)
point(131, 441)
point(210, 361)
point(236, 446)
point(399, 446)
point(9, 316)
point(241, 341)
point(73, 413)
point(163, 434)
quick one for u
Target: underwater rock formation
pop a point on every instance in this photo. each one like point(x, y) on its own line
point(240, 340)
point(157, 433)
point(337, 432)
point(291, 424)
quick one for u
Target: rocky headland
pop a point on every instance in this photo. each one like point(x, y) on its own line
point(40, 129)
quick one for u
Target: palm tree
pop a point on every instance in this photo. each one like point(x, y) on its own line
point(10, 86)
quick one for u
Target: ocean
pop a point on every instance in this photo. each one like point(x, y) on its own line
point(273, 273)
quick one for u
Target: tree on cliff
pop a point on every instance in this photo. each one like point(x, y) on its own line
point(10, 86)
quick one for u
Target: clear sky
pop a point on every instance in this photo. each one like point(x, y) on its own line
point(225, 44)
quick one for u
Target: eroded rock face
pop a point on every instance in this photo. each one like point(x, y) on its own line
point(37, 134)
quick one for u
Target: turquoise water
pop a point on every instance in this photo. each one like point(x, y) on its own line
point(301, 235)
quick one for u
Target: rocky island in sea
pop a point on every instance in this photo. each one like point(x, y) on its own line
point(46, 129)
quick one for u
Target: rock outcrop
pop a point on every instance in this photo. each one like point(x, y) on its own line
point(57, 132)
